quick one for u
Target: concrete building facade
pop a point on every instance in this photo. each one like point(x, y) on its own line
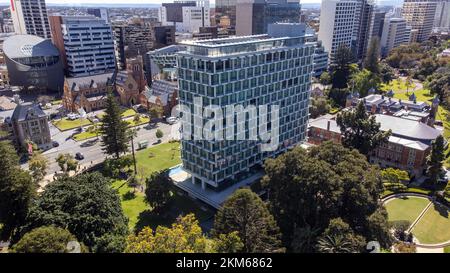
point(86, 42)
point(420, 14)
point(30, 17)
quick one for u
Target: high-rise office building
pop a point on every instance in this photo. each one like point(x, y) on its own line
point(254, 16)
point(132, 39)
point(375, 27)
point(442, 15)
point(396, 31)
point(101, 13)
point(271, 69)
point(337, 24)
point(30, 17)
point(86, 43)
point(419, 14)
point(186, 16)
point(363, 16)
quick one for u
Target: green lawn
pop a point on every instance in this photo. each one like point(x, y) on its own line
point(84, 136)
point(434, 226)
point(142, 120)
point(396, 85)
point(66, 124)
point(126, 114)
point(158, 158)
point(405, 209)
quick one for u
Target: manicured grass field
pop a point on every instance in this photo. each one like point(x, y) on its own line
point(143, 120)
point(396, 85)
point(126, 114)
point(158, 158)
point(434, 226)
point(140, 214)
point(407, 209)
point(66, 124)
point(84, 136)
point(447, 249)
point(56, 102)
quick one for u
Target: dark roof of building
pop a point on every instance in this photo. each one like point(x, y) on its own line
point(27, 111)
point(92, 81)
point(23, 46)
point(408, 128)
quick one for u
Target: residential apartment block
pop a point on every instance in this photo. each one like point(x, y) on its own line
point(269, 69)
point(86, 44)
point(419, 14)
point(30, 17)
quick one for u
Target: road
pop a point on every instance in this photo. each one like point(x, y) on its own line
point(92, 149)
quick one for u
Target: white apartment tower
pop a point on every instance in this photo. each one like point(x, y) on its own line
point(396, 31)
point(420, 15)
point(187, 16)
point(30, 17)
point(86, 43)
point(337, 24)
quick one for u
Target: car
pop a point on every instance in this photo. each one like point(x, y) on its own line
point(79, 156)
point(55, 144)
point(172, 120)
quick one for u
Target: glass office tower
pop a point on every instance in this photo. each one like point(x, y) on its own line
point(272, 69)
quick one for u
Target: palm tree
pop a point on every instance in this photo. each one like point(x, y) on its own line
point(334, 244)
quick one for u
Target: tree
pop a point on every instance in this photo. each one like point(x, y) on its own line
point(319, 106)
point(360, 130)
point(114, 129)
point(387, 73)
point(17, 191)
point(434, 160)
point(157, 190)
point(340, 238)
point(325, 78)
point(373, 54)
point(309, 188)
point(185, 236)
point(156, 111)
point(364, 80)
point(85, 204)
point(409, 84)
point(333, 244)
point(67, 163)
point(38, 165)
point(45, 239)
point(247, 214)
point(393, 179)
point(341, 67)
point(159, 134)
point(439, 83)
point(228, 243)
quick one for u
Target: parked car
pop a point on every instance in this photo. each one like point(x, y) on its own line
point(55, 144)
point(172, 120)
point(79, 156)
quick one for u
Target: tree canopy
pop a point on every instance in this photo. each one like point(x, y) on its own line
point(46, 239)
point(245, 213)
point(360, 130)
point(341, 66)
point(17, 191)
point(114, 129)
point(307, 189)
point(85, 205)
